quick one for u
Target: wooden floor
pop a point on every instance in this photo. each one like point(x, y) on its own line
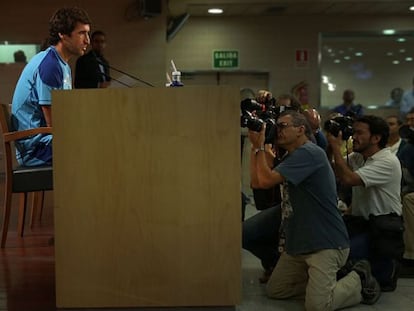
point(27, 267)
point(27, 276)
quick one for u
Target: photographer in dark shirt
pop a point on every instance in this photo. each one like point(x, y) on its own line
point(92, 69)
point(313, 241)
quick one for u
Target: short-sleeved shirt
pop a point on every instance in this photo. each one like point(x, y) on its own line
point(407, 102)
point(315, 222)
point(381, 175)
point(353, 110)
point(45, 72)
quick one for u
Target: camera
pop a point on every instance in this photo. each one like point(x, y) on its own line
point(340, 124)
point(265, 113)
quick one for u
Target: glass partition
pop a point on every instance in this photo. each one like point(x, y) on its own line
point(372, 65)
point(13, 53)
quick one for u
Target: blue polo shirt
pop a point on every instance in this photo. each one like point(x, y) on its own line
point(45, 72)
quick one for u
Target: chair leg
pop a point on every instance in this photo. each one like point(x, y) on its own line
point(37, 207)
point(6, 217)
point(22, 213)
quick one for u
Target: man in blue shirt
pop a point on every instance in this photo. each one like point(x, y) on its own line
point(407, 102)
point(48, 70)
point(348, 107)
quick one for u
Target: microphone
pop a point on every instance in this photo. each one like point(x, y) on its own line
point(120, 71)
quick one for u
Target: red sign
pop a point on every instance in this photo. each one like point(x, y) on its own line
point(302, 58)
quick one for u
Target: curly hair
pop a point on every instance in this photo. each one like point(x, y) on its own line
point(64, 20)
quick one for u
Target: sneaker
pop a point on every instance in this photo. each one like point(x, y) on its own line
point(391, 285)
point(371, 290)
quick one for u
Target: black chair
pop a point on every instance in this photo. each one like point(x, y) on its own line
point(20, 179)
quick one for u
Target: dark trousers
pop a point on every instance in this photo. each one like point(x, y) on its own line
point(383, 268)
point(260, 236)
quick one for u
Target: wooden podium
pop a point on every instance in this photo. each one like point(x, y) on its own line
point(147, 197)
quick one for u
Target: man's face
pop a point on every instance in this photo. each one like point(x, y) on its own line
point(362, 138)
point(348, 96)
point(410, 120)
point(77, 42)
point(287, 133)
point(393, 125)
point(98, 43)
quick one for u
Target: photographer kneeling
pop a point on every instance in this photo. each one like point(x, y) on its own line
point(313, 242)
point(374, 173)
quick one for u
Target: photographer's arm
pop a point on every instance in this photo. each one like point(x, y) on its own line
point(345, 175)
point(264, 176)
point(270, 156)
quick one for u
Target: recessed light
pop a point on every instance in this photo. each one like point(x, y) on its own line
point(215, 11)
point(388, 31)
point(401, 40)
point(411, 8)
point(408, 59)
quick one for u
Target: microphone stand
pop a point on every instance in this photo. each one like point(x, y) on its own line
point(98, 59)
point(131, 76)
point(119, 81)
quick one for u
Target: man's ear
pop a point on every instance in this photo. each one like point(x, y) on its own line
point(375, 138)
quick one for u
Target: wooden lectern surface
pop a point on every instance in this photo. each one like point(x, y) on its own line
point(147, 197)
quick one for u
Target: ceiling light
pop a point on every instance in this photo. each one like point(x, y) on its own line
point(395, 62)
point(215, 11)
point(388, 31)
point(359, 54)
point(401, 40)
point(408, 59)
point(411, 8)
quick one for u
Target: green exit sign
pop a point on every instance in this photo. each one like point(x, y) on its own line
point(226, 59)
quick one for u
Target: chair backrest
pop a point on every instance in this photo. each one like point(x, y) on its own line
point(5, 120)
point(5, 124)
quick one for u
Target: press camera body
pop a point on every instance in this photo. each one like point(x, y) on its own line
point(340, 124)
point(254, 115)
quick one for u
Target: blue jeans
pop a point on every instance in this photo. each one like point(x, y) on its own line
point(260, 236)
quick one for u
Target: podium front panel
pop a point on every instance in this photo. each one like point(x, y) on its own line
point(147, 197)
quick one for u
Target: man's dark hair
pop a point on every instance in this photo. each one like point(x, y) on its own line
point(64, 21)
point(377, 126)
point(97, 33)
point(399, 121)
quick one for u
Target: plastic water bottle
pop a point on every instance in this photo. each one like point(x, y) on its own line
point(176, 79)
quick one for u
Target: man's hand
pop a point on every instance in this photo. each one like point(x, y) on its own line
point(335, 142)
point(257, 138)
